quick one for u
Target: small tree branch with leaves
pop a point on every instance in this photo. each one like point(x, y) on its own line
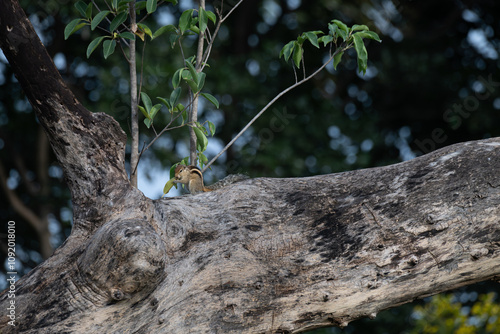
point(294, 49)
point(338, 39)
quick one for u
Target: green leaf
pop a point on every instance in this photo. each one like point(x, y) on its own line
point(287, 50)
point(186, 75)
point(333, 29)
point(369, 35)
point(148, 122)
point(192, 85)
point(176, 79)
point(139, 6)
point(175, 95)
point(341, 25)
point(185, 20)
point(211, 16)
point(183, 111)
point(192, 71)
point(362, 53)
point(297, 54)
point(343, 30)
point(72, 27)
point(163, 29)
point(146, 29)
point(311, 36)
point(170, 183)
point(336, 59)
point(193, 27)
point(98, 18)
point(201, 139)
point(203, 159)
point(201, 127)
point(127, 35)
point(151, 6)
point(88, 11)
point(173, 39)
point(173, 2)
point(108, 47)
point(154, 111)
point(122, 3)
point(211, 127)
point(119, 19)
point(212, 99)
point(144, 112)
point(172, 170)
point(114, 4)
point(202, 19)
point(94, 44)
point(146, 101)
point(191, 59)
point(179, 108)
point(166, 103)
point(357, 27)
point(342, 34)
point(82, 8)
point(325, 39)
point(201, 81)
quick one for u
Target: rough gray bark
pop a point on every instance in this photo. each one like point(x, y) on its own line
point(134, 116)
point(261, 256)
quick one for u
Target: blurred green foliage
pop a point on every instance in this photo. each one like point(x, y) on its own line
point(461, 312)
point(445, 314)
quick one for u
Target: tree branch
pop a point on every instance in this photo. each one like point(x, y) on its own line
point(89, 147)
point(230, 11)
point(194, 109)
point(296, 84)
point(279, 255)
point(134, 115)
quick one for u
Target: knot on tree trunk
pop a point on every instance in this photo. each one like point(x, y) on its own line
point(124, 259)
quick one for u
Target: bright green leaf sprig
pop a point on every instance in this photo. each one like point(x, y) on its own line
point(340, 36)
point(191, 22)
point(118, 14)
point(117, 17)
point(195, 81)
point(149, 111)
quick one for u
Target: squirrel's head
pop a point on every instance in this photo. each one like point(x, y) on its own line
point(182, 172)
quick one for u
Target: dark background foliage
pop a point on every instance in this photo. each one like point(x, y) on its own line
point(432, 82)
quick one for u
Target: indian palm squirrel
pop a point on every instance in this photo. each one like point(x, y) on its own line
point(192, 178)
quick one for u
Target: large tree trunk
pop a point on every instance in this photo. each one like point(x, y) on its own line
point(261, 256)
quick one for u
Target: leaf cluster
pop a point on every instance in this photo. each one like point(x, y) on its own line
point(340, 36)
point(118, 30)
